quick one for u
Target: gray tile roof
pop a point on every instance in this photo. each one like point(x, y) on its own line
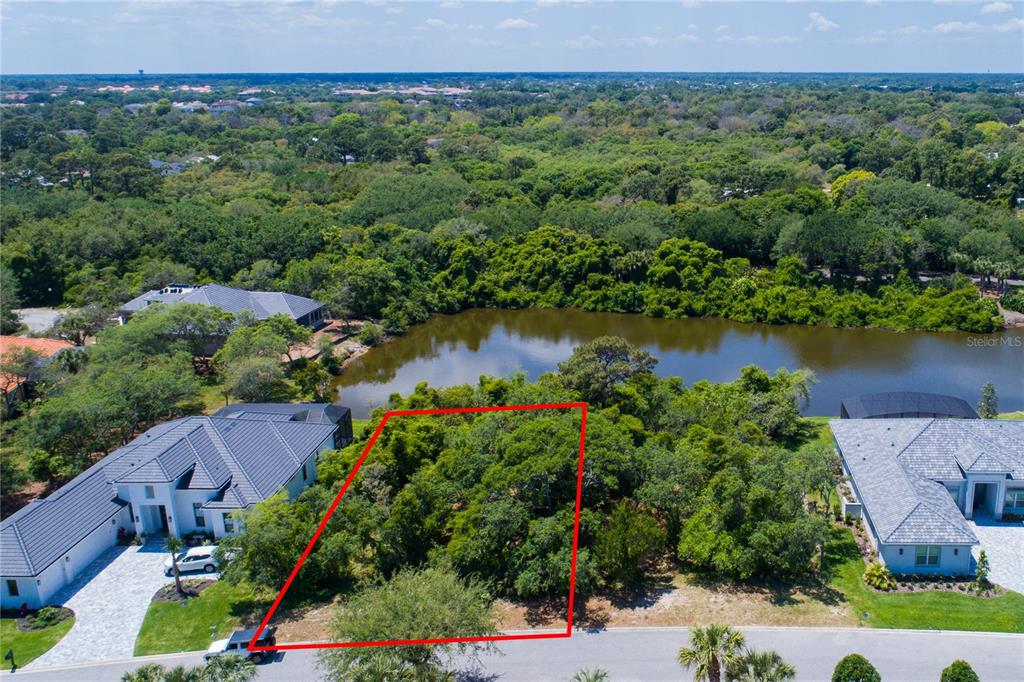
point(40, 533)
point(262, 304)
point(894, 464)
point(245, 460)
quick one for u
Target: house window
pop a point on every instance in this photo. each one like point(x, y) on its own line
point(197, 509)
point(927, 555)
point(1014, 501)
point(305, 475)
point(229, 523)
point(150, 492)
point(12, 588)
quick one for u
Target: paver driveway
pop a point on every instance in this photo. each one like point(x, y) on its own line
point(109, 599)
point(1004, 546)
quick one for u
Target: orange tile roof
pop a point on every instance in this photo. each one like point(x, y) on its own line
point(9, 344)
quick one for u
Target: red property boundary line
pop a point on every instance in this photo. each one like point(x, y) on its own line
point(447, 640)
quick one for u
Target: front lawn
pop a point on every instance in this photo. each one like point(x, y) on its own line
point(920, 610)
point(29, 646)
point(218, 611)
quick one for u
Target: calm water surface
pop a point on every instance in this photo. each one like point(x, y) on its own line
point(456, 349)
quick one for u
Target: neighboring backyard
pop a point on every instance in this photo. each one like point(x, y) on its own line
point(28, 646)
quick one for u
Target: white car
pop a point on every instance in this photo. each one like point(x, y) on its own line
point(195, 559)
point(238, 644)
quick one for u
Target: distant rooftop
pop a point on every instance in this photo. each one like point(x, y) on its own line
point(262, 304)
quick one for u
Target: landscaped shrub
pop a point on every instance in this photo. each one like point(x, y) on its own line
point(45, 617)
point(370, 334)
point(1014, 299)
point(879, 577)
point(959, 671)
point(855, 668)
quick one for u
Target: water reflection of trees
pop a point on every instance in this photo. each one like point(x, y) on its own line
point(721, 345)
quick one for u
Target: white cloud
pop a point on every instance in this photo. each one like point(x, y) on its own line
point(997, 8)
point(475, 27)
point(691, 4)
point(515, 24)
point(588, 42)
point(583, 42)
point(723, 27)
point(432, 22)
point(394, 10)
point(451, 4)
point(908, 30)
point(1011, 25)
point(819, 23)
point(758, 40)
point(957, 27)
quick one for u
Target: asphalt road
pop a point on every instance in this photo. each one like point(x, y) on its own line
point(648, 655)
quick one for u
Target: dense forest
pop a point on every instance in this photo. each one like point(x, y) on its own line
point(788, 199)
point(701, 475)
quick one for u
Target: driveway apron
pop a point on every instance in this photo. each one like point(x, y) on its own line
point(110, 599)
point(1003, 543)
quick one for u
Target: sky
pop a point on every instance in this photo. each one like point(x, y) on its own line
point(221, 36)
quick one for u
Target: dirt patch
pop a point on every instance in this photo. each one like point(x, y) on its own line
point(685, 600)
point(674, 600)
point(16, 499)
point(305, 624)
point(190, 588)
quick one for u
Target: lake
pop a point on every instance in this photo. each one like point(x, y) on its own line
point(455, 349)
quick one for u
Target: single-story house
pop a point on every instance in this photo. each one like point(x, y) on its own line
point(261, 304)
point(918, 480)
point(309, 413)
point(13, 387)
point(184, 476)
point(903, 404)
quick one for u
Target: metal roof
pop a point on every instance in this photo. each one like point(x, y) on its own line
point(245, 460)
point(905, 404)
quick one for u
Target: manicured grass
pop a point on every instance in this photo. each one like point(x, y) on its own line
point(1015, 416)
point(218, 611)
point(918, 610)
point(29, 646)
point(359, 424)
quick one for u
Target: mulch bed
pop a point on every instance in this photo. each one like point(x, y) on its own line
point(963, 585)
point(192, 588)
point(29, 625)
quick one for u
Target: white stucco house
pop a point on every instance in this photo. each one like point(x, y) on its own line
point(184, 476)
point(918, 480)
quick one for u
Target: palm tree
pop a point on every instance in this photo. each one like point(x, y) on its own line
point(761, 666)
point(590, 675)
point(180, 673)
point(229, 668)
point(151, 672)
point(174, 545)
point(712, 649)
